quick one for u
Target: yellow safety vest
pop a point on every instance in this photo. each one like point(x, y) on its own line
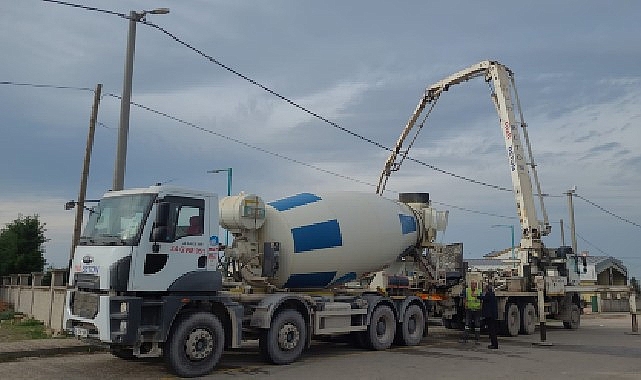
point(473, 303)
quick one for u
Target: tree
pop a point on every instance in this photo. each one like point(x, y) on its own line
point(21, 246)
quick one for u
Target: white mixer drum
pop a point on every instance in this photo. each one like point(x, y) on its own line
point(332, 238)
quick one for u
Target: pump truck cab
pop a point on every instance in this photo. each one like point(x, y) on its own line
point(146, 277)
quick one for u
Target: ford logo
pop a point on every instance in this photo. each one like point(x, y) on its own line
point(87, 259)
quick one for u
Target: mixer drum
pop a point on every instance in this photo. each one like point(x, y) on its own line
point(332, 238)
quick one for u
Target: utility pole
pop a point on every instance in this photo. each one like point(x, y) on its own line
point(562, 233)
point(570, 193)
point(125, 100)
point(80, 205)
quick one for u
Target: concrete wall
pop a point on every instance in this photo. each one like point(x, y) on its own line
point(28, 296)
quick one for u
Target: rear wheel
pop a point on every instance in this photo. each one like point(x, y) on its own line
point(512, 320)
point(382, 328)
point(575, 318)
point(285, 340)
point(528, 319)
point(195, 345)
point(410, 332)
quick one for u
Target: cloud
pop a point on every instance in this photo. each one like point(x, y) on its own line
point(363, 68)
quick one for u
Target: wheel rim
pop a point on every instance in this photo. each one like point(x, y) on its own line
point(199, 344)
point(411, 324)
point(513, 320)
point(382, 330)
point(288, 337)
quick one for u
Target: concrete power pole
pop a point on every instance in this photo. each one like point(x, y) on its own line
point(125, 101)
point(123, 129)
point(80, 205)
point(570, 194)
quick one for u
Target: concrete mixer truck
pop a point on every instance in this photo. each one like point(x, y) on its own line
point(147, 280)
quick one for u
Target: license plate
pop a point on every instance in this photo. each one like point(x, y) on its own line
point(80, 332)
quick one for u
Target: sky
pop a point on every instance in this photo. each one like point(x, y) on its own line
point(362, 65)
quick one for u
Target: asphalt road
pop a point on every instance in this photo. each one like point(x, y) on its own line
point(602, 348)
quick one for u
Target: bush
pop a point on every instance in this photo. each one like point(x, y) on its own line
point(7, 315)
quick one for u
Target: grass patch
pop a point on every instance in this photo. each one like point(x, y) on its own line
point(12, 330)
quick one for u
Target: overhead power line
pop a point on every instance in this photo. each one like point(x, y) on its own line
point(280, 96)
point(46, 86)
point(234, 140)
point(607, 211)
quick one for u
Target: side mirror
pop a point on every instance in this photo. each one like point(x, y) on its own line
point(160, 230)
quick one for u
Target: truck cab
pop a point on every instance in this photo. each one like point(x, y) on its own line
point(156, 239)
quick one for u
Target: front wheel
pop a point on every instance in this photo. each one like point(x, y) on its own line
point(195, 345)
point(382, 328)
point(575, 318)
point(285, 340)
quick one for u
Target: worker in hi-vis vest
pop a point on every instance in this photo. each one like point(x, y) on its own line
point(472, 304)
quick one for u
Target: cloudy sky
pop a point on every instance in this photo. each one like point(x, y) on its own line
point(362, 65)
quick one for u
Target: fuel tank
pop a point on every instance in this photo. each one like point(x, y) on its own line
point(332, 238)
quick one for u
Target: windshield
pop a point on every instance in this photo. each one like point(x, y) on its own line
point(117, 220)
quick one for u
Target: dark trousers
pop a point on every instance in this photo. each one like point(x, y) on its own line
point(491, 330)
point(472, 321)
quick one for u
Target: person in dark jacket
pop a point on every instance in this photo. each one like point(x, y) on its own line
point(489, 311)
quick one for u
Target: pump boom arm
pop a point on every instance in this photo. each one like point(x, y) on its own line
point(506, 102)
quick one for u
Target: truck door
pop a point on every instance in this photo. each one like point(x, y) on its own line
point(180, 248)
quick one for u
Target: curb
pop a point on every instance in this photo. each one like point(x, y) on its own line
point(8, 356)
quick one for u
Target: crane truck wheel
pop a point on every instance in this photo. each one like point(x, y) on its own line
point(195, 344)
point(512, 320)
point(575, 318)
point(382, 328)
point(410, 332)
point(284, 341)
point(528, 319)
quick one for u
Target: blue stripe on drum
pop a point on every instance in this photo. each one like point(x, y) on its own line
point(309, 280)
point(317, 236)
point(294, 201)
point(347, 277)
point(408, 224)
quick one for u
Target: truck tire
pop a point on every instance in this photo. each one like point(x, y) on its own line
point(529, 319)
point(512, 320)
point(195, 345)
point(285, 340)
point(575, 318)
point(410, 332)
point(382, 328)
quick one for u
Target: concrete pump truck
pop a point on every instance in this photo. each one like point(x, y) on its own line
point(545, 285)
